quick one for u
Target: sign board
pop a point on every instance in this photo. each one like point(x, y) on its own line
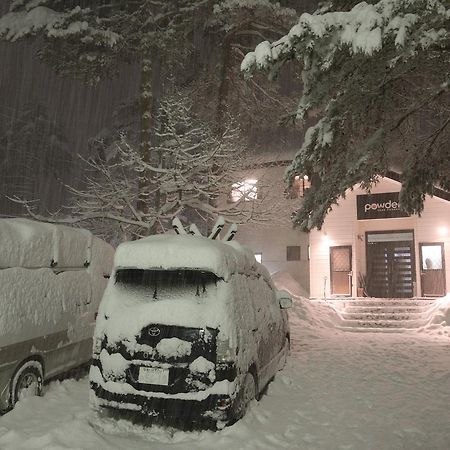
point(379, 206)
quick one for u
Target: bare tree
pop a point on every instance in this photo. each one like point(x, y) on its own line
point(189, 175)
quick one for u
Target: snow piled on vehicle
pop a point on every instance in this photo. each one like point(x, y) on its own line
point(48, 274)
point(166, 252)
point(189, 283)
point(39, 300)
point(129, 309)
point(31, 244)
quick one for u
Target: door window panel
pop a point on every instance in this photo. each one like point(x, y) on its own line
point(432, 270)
point(431, 257)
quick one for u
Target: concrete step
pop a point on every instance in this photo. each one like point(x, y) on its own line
point(375, 330)
point(375, 324)
point(381, 316)
point(383, 302)
point(385, 309)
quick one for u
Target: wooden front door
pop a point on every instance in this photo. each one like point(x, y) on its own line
point(390, 264)
point(432, 269)
point(341, 270)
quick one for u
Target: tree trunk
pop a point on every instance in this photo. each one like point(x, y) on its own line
point(150, 91)
point(224, 85)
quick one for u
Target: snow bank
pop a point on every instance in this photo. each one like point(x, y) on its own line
point(168, 252)
point(285, 281)
point(439, 317)
point(315, 315)
point(312, 315)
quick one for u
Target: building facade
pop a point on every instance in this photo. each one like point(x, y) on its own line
point(267, 227)
point(369, 247)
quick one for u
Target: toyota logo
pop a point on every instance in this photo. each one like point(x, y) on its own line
point(154, 332)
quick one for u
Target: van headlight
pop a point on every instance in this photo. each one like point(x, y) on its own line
point(97, 346)
point(224, 351)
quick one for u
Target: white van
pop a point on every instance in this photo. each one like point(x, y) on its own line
point(189, 331)
point(52, 278)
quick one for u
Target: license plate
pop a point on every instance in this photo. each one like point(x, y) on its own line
point(153, 375)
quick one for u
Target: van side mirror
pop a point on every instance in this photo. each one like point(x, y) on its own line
point(284, 299)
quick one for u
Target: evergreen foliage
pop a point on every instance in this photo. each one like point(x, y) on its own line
point(377, 79)
point(39, 174)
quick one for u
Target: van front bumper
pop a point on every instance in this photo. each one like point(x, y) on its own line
point(173, 411)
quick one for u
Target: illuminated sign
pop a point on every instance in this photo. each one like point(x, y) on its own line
point(379, 206)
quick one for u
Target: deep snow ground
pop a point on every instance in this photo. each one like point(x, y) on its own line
point(340, 390)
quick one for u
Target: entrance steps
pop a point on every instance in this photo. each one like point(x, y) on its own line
point(381, 314)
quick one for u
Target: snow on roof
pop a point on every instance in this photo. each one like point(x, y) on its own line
point(186, 251)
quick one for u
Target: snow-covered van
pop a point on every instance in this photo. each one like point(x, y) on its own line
point(52, 278)
point(189, 331)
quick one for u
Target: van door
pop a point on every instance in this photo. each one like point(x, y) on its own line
point(269, 325)
point(261, 333)
point(72, 344)
point(276, 326)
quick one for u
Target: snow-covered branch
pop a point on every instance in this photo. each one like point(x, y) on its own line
point(377, 79)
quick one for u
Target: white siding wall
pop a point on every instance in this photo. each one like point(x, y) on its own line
point(272, 243)
point(434, 226)
point(341, 227)
point(272, 230)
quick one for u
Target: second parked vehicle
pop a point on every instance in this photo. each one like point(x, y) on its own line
point(190, 330)
point(52, 278)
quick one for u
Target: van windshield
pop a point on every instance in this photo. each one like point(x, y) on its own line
point(167, 283)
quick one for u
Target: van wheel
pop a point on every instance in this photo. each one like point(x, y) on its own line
point(245, 396)
point(27, 381)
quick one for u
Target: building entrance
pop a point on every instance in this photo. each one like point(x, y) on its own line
point(390, 264)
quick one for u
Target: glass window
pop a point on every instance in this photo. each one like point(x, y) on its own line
point(293, 253)
point(299, 186)
point(431, 257)
point(245, 190)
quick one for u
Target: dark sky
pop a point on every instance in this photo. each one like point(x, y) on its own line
point(81, 111)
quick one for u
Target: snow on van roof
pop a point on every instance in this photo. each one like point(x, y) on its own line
point(187, 251)
point(33, 244)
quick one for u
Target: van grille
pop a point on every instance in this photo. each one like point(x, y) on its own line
point(181, 379)
point(203, 340)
